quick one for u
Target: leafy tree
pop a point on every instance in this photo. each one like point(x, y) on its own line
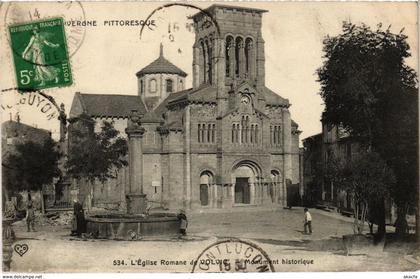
point(31, 166)
point(362, 69)
point(397, 142)
point(369, 90)
point(95, 155)
point(365, 177)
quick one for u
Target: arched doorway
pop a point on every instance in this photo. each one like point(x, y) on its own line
point(245, 177)
point(206, 179)
point(275, 186)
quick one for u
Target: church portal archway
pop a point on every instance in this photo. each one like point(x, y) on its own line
point(206, 180)
point(246, 176)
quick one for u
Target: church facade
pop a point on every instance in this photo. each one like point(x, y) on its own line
point(228, 141)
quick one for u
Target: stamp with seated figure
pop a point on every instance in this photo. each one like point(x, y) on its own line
point(40, 54)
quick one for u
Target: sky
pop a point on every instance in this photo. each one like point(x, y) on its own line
point(108, 57)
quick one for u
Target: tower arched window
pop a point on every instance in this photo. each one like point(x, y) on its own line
point(209, 132)
point(271, 135)
point(256, 134)
point(243, 129)
point(141, 86)
point(238, 47)
point(248, 56)
point(204, 55)
point(169, 85)
point(209, 61)
point(152, 85)
point(213, 133)
point(199, 133)
point(237, 133)
point(275, 135)
point(204, 132)
point(229, 55)
point(233, 133)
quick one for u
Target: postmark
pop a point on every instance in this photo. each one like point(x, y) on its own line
point(233, 255)
point(173, 27)
point(36, 99)
point(174, 31)
point(40, 54)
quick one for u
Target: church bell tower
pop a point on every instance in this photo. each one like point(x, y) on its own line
point(228, 48)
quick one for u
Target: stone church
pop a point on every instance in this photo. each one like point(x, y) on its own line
point(228, 141)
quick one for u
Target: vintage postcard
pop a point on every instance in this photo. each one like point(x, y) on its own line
point(194, 137)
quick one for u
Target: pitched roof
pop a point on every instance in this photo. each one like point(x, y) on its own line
point(12, 128)
point(272, 98)
point(205, 93)
point(161, 65)
point(172, 97)
point(313, 137)
point(20, 133)
point(110, 105)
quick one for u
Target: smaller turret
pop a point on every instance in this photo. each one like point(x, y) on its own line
point(159, 79)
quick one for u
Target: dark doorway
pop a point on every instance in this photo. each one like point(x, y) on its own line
point(242, 193)
point(204, 194)
point(293, 196)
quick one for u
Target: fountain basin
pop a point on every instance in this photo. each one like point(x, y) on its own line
point(132, 227)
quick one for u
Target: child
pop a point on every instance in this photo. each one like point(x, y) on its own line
point(307, 221)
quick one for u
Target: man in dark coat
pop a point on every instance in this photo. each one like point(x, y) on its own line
point(79, 216)
point(183, 223)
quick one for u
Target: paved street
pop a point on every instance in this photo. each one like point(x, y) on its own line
point(278, 233)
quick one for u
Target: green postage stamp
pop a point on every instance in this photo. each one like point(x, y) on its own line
point(40, 54)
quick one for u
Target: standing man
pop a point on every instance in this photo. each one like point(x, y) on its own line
point(79, 215)
point(30, 214)
point(184, 222)
point(307, 221)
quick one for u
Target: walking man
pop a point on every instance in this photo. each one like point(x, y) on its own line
point(307, 221)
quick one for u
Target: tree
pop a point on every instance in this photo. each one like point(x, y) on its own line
point(31, 166)
point(369, 90)
point(95, 155)
point(366, 177)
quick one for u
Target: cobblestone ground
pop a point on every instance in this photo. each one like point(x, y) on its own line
point(278, 232)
